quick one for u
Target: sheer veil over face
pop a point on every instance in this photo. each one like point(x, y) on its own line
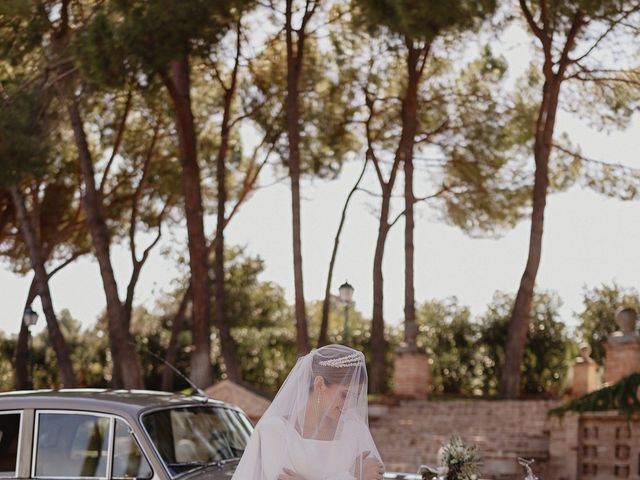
point(317, 425)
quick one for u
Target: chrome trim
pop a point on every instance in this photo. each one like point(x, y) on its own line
point(18, 457)
point(137, 442)
point(112, 426)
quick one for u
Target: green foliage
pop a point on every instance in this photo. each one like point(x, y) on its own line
point(621, 396)
point(482, 145)
point(449, 336)
point(614, 99)
point(23, 25)
point(561, 13)
point(129, 38)
point(267, 348)
point(469, 137)
point(7, 353)
point(45, 170)
point(24, 143)
point(267, 354)
point(547, 350)
point(54, 208)
point(100, 55)
point(250, 302)
point(597, 68)
point(261, 321)
point(427, 19)
point(609, 179)
point(480, 137)
point(598, 315)
point(34, 146)
point(141, 185)
point(325, 104)
point(263, 329)
point(467, 354)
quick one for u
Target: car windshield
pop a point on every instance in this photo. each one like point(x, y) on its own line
point(192, 437)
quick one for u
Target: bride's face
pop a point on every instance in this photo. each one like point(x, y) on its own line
point(335, 397)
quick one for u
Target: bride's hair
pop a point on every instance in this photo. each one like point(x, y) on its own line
point(338, 364)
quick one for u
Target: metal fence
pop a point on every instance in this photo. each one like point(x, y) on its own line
point(526, 464)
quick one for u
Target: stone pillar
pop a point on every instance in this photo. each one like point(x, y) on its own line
point(585, 372)
point(564, 446)
point(622, 348)
point(411, 373)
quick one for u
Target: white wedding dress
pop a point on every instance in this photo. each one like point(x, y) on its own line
point(277, 443)
point(312, 459)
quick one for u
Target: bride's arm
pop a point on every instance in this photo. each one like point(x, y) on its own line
point(262, 457)
point(272, 440)
point(288, 474)
point(368, 467)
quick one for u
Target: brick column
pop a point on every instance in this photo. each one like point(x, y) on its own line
point(622, 359)
point(564, 435)
point(622, 348)
point(584, 372)
point(411, 373)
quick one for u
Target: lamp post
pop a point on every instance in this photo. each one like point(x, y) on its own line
point(346, 294)
point(30, 318)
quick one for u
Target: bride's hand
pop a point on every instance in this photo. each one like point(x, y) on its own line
point(372, 468)
point(288, 474)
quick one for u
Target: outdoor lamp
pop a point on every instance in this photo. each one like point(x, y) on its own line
point(346, 292)
point(29, 317)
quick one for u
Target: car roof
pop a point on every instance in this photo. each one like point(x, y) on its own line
point(131, 402)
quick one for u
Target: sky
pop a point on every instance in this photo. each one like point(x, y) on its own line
point(589, 240)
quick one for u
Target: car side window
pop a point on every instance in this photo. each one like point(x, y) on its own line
point(128, 460)
point(71, 445)
point(9, 436)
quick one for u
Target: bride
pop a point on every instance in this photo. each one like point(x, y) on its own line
point(316, 428)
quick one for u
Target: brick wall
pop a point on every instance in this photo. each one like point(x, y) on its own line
point(411, 433)
point(595, 446)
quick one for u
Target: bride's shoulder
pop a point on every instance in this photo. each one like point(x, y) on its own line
point(356, 424)
point(271, 424)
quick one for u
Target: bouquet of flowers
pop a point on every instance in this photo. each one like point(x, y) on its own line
point(457, 462)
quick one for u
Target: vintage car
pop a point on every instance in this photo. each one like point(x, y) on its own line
point(119, 434)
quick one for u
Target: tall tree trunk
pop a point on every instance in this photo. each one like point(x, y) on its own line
point(509, 386)
point(378, 342)
point(294, 65)
point(126, 364)
point(227, 344)
point(22, 346)
point(323, 337)
point(404, 153)
point(177, 82)
point(410, 127)
point(172, 349)
point(58, 342)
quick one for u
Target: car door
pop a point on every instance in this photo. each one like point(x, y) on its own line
point(10, 429)
point(86, 445)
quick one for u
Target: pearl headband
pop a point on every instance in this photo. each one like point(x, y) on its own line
point(351, 360)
